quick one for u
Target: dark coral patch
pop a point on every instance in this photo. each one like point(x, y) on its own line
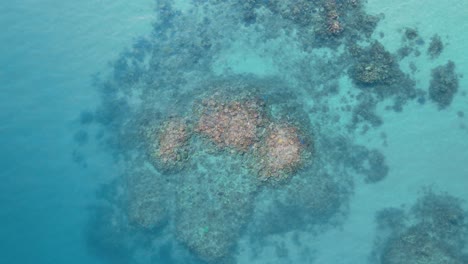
point(444, 85)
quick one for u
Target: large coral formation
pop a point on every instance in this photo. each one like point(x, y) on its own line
point(230, 124)
point(212, 205)
point(168, 143)
point(213, 186)
point(173, 136)
point(276, 148)
point(281, 152)
point(236, 123)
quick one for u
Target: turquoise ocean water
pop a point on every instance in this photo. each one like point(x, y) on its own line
point(80, 81)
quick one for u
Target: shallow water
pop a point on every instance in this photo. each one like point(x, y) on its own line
point(56, 168)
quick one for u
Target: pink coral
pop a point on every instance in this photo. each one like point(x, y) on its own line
point(172, 137)
point(281, 152)
point(230, 124)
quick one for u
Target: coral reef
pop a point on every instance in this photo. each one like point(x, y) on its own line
point(213, 205)
point(378, 76)
point(320, 22)
point(375, 66)
point(307, 201)
point(246, 125)
point(444, 216)
point(434, 231)
point(231, 124)
point(302, 13)
point(281, 152)
point(444, 85)
point(334, 25)
point(209, 141)
point(168, 143)
point(417, 246)
point(372, 73)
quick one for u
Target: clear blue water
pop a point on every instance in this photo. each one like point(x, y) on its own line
point(59, 174)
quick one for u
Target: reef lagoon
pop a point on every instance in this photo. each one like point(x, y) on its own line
point(255, 131)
